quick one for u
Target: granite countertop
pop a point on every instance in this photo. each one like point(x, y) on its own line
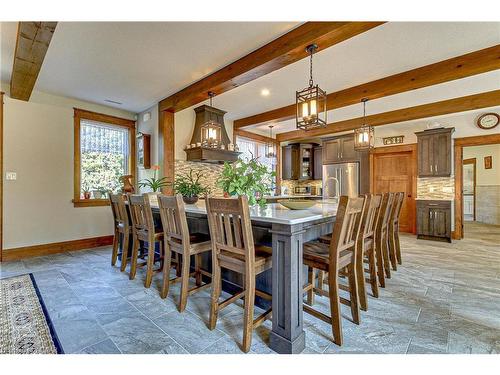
point(434, 199)
point(285, 196)
point(276, 213)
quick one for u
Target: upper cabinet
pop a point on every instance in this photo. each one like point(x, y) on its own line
point(299, 162)
point(434, 152)
point(339, 150)
point(318, 162)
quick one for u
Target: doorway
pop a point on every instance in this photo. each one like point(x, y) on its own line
point(469, 191)
point(392, 169)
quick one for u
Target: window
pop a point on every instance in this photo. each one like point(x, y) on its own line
point(250, 148)
point(104, 151)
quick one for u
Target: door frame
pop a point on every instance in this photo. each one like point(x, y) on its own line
point(473, 162)
point(460, 143)
point(410, 148)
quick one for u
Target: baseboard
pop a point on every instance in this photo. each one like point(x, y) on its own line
point(54, 248)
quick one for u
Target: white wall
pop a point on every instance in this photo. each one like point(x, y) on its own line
point(485, 176)
point(38, 146)
point(149, 127)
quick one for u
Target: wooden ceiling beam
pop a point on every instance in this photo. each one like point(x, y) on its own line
point(473, 63)
point(254, 136)
point(275, 55)
point(33, 39)
point(461, 104)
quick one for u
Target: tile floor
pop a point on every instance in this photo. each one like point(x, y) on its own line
point(445, 298)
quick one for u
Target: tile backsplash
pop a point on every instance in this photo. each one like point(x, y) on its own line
point(210, 173)
point(290, 184)
point(435, 188)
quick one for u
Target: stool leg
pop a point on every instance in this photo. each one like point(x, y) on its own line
point(385, 254)
point(310, 280)
point(149, 264)
point(216, 290)
point(360, 276)
point(124, 251)
point(186, 260)
point(116, 240)
point(354, 295)
point(392, 250)
point(333, 293)
point(380, 262)
point(373, 272)
point(398, 244)
point(248, 313)
point(133, 261)
point(197, 266)
point(167, 264)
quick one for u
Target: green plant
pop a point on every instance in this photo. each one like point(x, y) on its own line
point(155, 184)
point(188, 185)
point(250, 178)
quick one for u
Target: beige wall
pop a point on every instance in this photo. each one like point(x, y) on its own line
point(485, 176)
point(149, 127)
point(38, 146)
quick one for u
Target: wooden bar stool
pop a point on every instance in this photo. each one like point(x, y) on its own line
point(121, 227)
point(143, 229)
point(338, 259)
point(366, 242)
point(394, 244)
point(233, 248)
point(382, 239)
point(177, 240)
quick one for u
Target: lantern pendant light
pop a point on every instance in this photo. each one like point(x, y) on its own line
point(211, 130)
point(270, 146)
point(364, 136)
point(311, 101)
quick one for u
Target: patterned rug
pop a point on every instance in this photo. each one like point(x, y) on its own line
point(25, 327)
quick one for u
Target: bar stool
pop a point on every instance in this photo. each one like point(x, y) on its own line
point(178, 240)
point(382, 239)
point(143, 229)
point(338, 259)
point(121, 227)
point(233, 248)
point(394, 244)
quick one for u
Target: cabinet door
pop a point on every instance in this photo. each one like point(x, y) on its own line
point(318, 163)
point(331, 153)
point(425, 156)
point(440, 222)
point(295, 162)
point(306, 162)
point(286, 164)
point(347, 152)
point(424, 221)
point(442, 154)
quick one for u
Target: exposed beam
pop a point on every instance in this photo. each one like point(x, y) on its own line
point(275, 55)
point(473, 63)
point(254, 136)
point(33, 39)
point(465, 103)
point(166, 149)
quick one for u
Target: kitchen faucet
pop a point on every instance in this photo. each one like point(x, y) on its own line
point(337, 188)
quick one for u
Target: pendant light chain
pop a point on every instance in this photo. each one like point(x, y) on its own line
point(311, 82)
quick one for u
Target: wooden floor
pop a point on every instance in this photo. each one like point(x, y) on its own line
point(445, 298)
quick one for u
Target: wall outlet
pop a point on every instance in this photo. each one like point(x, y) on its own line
point(11, 176)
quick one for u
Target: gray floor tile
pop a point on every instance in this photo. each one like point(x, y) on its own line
point(104, 347)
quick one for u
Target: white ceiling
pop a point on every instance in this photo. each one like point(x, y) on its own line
point(140, 63)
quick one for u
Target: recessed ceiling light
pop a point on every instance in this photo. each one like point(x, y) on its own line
point(265, 92)
point(112, 101)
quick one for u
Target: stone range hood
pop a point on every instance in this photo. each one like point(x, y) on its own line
point(205, 113)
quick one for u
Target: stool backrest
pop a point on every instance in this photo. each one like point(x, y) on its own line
point(174, 220)
point(370, 215)
point(385, 211)
point(398, 205)
point(230, 227)
point(117, 203)
point(141, 214)
point(347, 225)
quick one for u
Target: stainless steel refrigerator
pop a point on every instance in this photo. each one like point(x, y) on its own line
point(340, 179)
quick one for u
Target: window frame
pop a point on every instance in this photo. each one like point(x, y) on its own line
point(82, 114)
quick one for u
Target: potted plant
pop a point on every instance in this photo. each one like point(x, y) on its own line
point(86, 191)
point(250, 178)
point(154, 183)
point(189, 186)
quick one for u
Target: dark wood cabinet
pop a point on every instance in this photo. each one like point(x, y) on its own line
point(434, 220)
point(339, 150)
point(434, 152)
point(318, 163)
point(299, 162)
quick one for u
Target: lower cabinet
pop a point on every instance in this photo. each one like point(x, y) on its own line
point(434, 220)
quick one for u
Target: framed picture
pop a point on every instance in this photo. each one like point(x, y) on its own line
point(144, 150)
point(488, 162)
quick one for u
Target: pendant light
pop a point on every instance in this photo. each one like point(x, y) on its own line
point(270, 146)
point(364, 136)
point(311, 101)
point(210, 130)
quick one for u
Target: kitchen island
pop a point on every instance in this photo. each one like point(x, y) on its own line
point(286, 230)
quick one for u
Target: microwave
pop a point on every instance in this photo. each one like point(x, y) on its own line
point(302, 190)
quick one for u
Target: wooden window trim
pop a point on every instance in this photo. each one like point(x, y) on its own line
point(81, 114)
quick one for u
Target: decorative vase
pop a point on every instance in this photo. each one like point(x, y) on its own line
point(86, 195)
point(190, 200)
point(97, 194)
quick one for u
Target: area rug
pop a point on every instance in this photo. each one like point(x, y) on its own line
point(25, 326)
